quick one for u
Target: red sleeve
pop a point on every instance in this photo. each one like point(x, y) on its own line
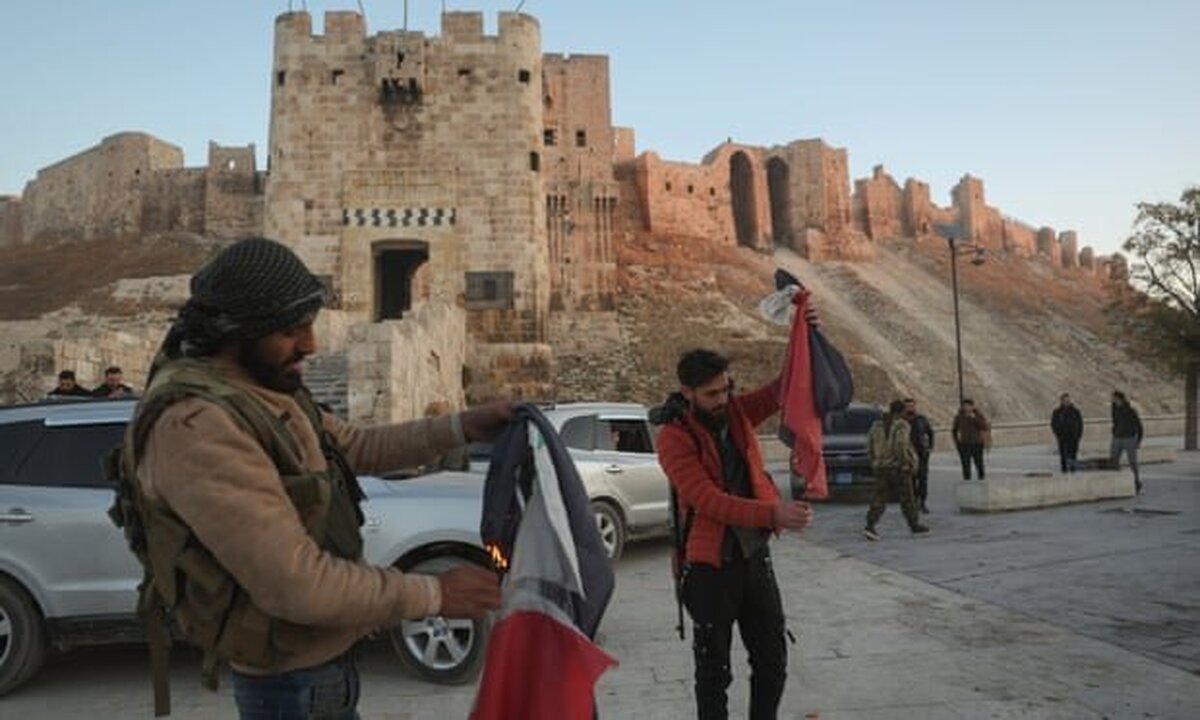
point(760, 404)
point(680, 460)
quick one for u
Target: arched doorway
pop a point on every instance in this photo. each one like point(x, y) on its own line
point(396, 261)
point(778, 192)
point(741, 188)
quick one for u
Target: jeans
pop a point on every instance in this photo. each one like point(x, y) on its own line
point(742, 590)
point(1128, 446)
point(324, 692)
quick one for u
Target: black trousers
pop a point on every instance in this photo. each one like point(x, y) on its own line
point(921, 479)
point(1068, 453)
point(967, 453)
point(742, 591)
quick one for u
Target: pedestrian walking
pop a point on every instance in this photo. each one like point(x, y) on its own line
point(922, 442)
point(1126, 435)
point(972, 434)
point(894, 461)
point(1067, 424)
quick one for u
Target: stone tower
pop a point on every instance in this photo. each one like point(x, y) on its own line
point(406, 168)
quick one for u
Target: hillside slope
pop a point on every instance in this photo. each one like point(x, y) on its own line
point(1029, 332)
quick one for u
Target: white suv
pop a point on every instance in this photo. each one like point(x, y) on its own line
point(67, 578)
point(613, 448)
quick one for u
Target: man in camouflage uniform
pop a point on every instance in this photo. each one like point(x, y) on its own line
point(894, 462)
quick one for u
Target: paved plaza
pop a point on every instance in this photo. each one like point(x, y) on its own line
point(1082, 611)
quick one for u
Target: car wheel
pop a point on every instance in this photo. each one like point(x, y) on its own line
point(611, 527)
point(22, 637)
point(441, 650)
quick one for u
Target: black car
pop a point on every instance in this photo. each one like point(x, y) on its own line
point(847, 468)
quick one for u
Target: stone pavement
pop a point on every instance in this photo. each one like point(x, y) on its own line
point(1073, 612)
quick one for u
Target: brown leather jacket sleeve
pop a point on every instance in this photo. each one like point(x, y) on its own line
point(219, 481)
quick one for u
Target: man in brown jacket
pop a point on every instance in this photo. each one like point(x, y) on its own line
point(248, 326)
point(972, 435)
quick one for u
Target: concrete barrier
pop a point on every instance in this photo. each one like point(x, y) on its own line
point(1034, 491)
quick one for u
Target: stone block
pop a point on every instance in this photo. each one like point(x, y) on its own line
point(1027, 492)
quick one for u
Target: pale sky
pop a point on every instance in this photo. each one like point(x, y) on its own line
point(1070, 110)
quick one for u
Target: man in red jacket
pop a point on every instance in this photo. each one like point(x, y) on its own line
point(711, 456)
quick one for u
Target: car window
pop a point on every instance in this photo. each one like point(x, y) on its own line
point(624, 435)
point(15, 441)
point(69, 456)
point(580, 432)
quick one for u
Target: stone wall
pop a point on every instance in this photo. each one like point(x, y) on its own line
point(173, 200)
point(427, 151)
point(97, 193)
point(133, 352)
point(579, 153)
point(398, 367)
point(1068, 242)
point(1019, 238)
point(684, 198)
point(10, 220)
point(878, 204)
point(233, 192)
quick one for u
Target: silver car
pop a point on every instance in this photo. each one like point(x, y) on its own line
point(67, 577)
point(612, 445)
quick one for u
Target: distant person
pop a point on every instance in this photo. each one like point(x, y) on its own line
point(922, 441)
point(1067, 424)
point(67, 387)
point(1126, 435)
point(971, 433)
point(113, 386)
point(894, 462)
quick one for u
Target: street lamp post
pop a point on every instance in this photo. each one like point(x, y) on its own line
point(957, 324)
point(953, 233)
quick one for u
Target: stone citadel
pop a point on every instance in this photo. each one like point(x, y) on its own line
point(462, 195)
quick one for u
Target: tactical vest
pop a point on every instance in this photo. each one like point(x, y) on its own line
point(185, 590)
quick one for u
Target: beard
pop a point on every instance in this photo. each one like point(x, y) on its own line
point(273, 376)
point(716, 420)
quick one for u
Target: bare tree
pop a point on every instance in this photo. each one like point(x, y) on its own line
point(1165, 314)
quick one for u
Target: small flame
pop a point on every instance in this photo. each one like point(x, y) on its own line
point(498, 558)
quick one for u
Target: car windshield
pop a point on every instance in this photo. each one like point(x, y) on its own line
point(850, 422)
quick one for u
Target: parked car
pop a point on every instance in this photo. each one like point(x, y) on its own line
point(67, 577)
point(844, 445)
point(612, 445)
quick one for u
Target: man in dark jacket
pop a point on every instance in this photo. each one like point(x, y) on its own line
point(1126, 435)
point(972, 434)
point(113, 386)
point(713, 460)
point(922, 442)
point(68, 387)
point(1067, 424)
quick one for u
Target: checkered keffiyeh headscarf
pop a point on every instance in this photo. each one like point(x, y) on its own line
point(249, 290)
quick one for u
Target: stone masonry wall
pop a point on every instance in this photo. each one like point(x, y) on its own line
point(398, 367)
point(423, 145)
point(878, 203)
point(132, 352)
point(96, 193)
point(173, 200)
point(10, 221)
point(579, 151)
point(684, 198)
point(233, 192)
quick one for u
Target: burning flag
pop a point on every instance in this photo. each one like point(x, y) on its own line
point(541, 661)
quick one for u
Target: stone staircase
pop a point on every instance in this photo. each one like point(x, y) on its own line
point(327, 377)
